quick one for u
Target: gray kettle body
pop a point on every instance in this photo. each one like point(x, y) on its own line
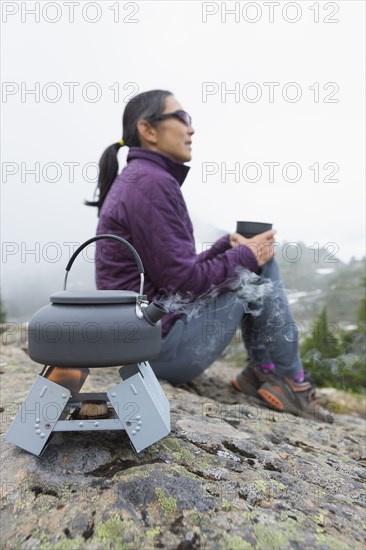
point(99, 328)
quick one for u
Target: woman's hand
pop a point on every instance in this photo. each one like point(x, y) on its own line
point(261, 245)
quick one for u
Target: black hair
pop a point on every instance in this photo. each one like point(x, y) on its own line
point(146, 105)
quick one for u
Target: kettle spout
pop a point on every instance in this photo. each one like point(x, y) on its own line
point(154, 312)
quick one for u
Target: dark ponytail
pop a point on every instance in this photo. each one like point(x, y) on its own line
point(108, 170)
point(142, 106)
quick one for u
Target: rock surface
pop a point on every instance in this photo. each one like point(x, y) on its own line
point(232, 475)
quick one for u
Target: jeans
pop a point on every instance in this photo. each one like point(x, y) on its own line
point(268, 330)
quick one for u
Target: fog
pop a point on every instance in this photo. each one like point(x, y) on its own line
point(276, 94)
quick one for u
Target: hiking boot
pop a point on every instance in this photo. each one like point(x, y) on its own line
point(298, 398)
point(250, 380)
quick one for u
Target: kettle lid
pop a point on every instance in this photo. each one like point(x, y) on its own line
point(94, 297)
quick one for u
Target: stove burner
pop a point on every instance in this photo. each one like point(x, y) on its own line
point(93, 409)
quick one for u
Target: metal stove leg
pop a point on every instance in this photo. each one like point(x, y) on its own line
point(141, 406)
point(38, 415)
point(138, 400)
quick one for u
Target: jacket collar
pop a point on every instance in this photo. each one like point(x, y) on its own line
point(176, 169)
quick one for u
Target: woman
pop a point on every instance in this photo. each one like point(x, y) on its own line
point(236, 283)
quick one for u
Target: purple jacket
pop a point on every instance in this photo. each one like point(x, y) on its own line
point(146, 207)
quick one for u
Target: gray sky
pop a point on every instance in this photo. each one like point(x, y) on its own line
point(314, 117)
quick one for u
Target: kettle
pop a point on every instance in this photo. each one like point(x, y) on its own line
point(99, 328)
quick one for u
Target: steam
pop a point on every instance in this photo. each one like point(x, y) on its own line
point(252, 293)
point(248, 289)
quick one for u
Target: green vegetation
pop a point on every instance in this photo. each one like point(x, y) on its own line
point(334, 356)
point(167, 504)
point(152, 533)
point(110, 532)
point(236, 543)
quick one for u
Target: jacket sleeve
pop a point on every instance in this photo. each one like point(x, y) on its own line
point(167, 245)
point(218, 247)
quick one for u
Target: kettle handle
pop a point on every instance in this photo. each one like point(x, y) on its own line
point(140, 267)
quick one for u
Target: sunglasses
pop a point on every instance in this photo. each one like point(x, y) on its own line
point(180, 115)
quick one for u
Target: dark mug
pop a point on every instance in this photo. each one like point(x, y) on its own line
point(251, 229)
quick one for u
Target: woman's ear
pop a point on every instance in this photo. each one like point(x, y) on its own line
point(147, 133)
